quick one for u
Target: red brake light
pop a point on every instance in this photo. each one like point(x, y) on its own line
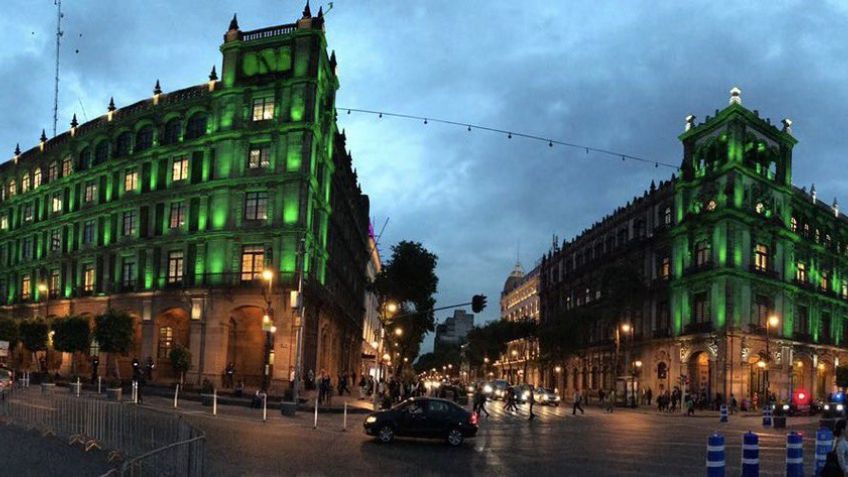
point(473, 419)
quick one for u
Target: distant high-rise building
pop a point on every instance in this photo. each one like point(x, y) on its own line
point(454, 330)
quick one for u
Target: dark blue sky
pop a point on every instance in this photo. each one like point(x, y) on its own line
point(618, 75)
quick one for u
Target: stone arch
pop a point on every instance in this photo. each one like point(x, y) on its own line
point(701, 372)
point(825, 378)
point(171, 329)
point(246, 344)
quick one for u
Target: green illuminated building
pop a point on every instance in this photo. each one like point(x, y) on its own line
point(741, 277)
point(172, 207)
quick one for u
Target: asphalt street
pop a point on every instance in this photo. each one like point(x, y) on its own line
point(27, 453)
point(627, 442)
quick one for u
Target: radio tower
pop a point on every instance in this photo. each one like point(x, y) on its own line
point(59, 33)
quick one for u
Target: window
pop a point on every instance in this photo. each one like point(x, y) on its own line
point(144, 138)
point(13, 188)
point(122, 148)
point(36, 178)
point(438, 407)
point(25, 183)
point(128, 272)
point(844, 289)
point(55, 240)
point(130, 180)
point(701, 308)
point(26, 248)
point(259, 157)
point(57, 203)
point(88, 232)
point(256, 206)
point(4, 222)
point(90, 191)
point(53, 283)
point(177, 215)
point(67, 166)
point(129, 223)
point(179, 171)
point(88, 277)
point(196, 126)
point(667, 216)
point(84, 158)
point(52, 172)
point(172, 132)
point(761, 257)
point(28, 212)
point(764, 308)
point(175, 267)
point(252, 262)
point(702, 253)
point(166, 342)
point(825, 280)
point(26, 287)
point(665, 268)
point(263, 108)
point(101, 152)
point(801, 272)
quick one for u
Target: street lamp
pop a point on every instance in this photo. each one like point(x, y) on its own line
point(43, 290)
point(269, 328)
point(772, 322)
point(399, 331)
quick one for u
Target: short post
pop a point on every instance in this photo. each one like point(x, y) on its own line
point(715, 455)
point(264, 407)
point(750, 455)
point(315, 423)
point(794, 455)
point(176, 395)
point(214, 402)
point(723, 413)
point(824, 443)
point(79, 386)
point(344, 421)
point(767, 416)
point(135, 391)
point(99, 382)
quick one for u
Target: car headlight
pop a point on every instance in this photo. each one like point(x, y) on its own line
point(487, 389)
point(371, 420)
point(470, 389)
point(786, 407)
point(839, 407)
point(525, 395)
point(827, 407)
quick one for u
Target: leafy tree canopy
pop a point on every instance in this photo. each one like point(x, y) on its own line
point(33, 335)
point(114, 331)
point(9, 331)
point(72, 334)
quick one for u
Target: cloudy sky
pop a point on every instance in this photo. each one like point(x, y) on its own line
point(617, 75)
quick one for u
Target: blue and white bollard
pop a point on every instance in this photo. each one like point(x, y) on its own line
point(794, 455)
point(824, 443)
point(723, 413)
point(750, 455)
point(767, 416)
point(715, 455)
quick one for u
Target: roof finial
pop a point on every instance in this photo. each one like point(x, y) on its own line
point(307, 13)
point(17, 149)
point(234, 23)
point(813, 192)
point(213, 76)
point(111, 104)
point(735, 95)
point(74, 122)
point(690, 122)
point(321, 12)
point(787, 126)
point(835, 207)
point(157, 89)
point(43, 136)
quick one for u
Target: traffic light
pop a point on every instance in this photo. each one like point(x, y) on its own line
point(478, 303)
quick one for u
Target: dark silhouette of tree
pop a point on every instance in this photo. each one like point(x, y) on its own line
point(114, 333)
point(72, 334)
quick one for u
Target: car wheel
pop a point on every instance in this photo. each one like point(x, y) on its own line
point(455, 437)
point(386, 434)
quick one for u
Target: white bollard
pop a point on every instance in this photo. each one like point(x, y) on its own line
point(176, 395)
point(135, 392)
point(79, 386)
point(214, 402)
point(264, 408)
point(344, 422)
point(315, 424)
point(99, 381)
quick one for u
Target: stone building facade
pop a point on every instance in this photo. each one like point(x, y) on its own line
point(172, 207)
point(741, 278)
point(520, 301)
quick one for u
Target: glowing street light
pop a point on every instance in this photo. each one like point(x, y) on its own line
point(625, 327)
point(558, 369)
point(399, 331)
point(267, 275)
point(391, 307)
point(773, 321)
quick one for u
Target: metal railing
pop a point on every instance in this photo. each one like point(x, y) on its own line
point(150, 442)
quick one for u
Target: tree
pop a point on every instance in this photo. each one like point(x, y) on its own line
point(114, 333)
point(9, 332)
point(72, 335)
point(443, 356)
point(180, 361)
point(33, 334)
point(409, 280)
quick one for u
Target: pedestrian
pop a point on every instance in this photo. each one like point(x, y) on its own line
point(578, 401)
point(136, 368)
point(480, 402)
point(95, 363)
point(601, 395)
point(836, 464)
point(649, 396)
point(690, 405)
point(362, 385)
point(148, 368)
point(611, 402)
point(532, 400)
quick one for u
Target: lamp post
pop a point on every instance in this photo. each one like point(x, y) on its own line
point(44, 290)
point(558, 370)
point(772, 322)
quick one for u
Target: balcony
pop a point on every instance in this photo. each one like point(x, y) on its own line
point(766, 272)
point(694, 328)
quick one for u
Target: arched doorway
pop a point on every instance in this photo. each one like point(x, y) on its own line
point(246, 345)
point(700, 374)
point(662, 376)
point(824, 379)
point(758, 377)
point(171, 330)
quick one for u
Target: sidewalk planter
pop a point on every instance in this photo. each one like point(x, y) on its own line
point(206, 399)
point(288, 408)
point(114, 394)
point(48, 388)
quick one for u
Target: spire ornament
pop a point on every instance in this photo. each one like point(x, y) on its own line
point(735, 95)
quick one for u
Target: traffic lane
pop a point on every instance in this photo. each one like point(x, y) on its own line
point(24, 452)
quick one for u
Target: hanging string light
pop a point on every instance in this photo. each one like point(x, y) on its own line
point(509, 134)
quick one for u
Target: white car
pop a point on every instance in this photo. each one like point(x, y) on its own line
point(546, 397)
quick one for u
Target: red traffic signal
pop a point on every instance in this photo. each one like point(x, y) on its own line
point(478, 303)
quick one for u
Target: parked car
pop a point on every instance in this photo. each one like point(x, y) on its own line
point(423, 417)
point(547, 397)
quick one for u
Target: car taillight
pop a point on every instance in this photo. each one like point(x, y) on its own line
point(473, 419)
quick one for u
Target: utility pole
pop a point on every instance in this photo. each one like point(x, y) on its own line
point(59, 34)
point(299, 317)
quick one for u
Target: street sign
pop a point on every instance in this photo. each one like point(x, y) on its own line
point(4, 349)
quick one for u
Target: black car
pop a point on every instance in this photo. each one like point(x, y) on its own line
point(423, 417)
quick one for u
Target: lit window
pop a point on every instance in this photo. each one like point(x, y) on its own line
point(25, 183)
point(90, 192)
point(793, 224)
point(128, 273)
point(667, 216)
point(263, 108)
point(711, 205)
point(67, 167)
point(256, 206)
point(844, 289)
point(4, 222)
point(252, 262)
point(801, 272)
point(53, 283)
point(701, 307)
point(177, 215)
point(36, 178)
point(665, 268)
point(52, 172)
point(57, 203)
point(28, 212)
point(259, 157)
point(175, 267)
point(26, 287)
point(129, 223)
point(179, 171)
point(761, 257)
point(55, 240)
point(130, 180)
point(702, 253)
point(760, 208)
point(13, 188)
point(166, 342)
point(88, 232)
point(88, 278)
point(825, 281)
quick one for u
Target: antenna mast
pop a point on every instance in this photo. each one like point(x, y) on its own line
point(59, 33)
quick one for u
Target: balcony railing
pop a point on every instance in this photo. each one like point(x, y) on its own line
point(269, 32)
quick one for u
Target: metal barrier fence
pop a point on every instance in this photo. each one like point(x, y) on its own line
point(151, 442)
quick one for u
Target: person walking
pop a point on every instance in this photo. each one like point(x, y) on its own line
point(578, 401)
point(836, 464)
point(610, 404)
point(690, 405)
point(532, 399)
point(480, 402)
point(649, 396)
point(733, 404)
